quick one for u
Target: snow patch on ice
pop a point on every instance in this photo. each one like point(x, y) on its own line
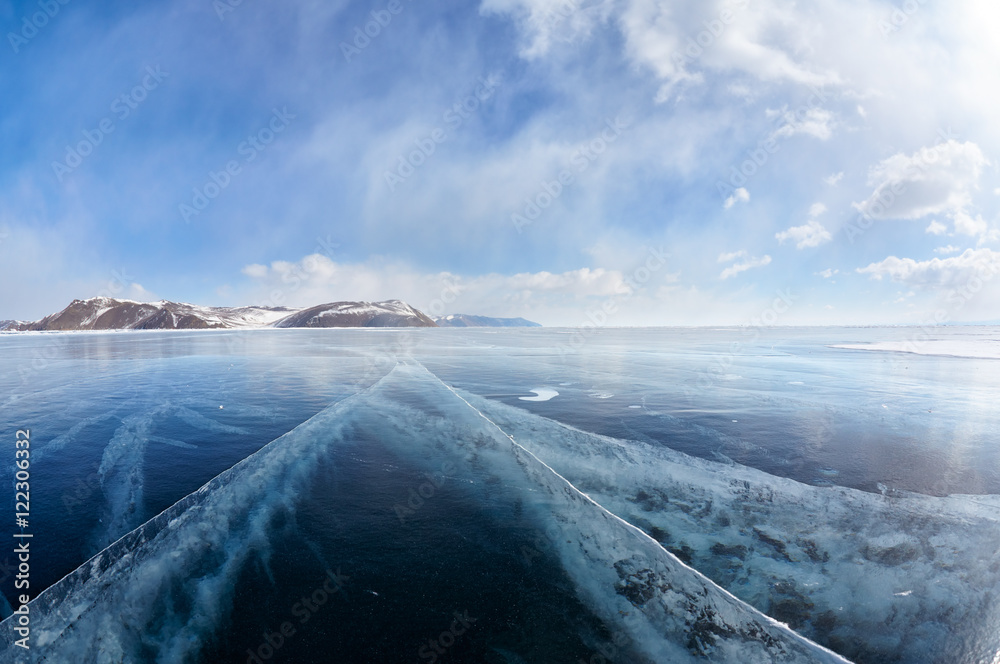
point(541, 394)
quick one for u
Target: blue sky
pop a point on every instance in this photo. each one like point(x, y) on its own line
point(721, 162)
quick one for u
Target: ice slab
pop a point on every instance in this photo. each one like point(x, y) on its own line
point(880, 578)
point(167, 586)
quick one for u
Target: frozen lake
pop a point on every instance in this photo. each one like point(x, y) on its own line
point(533, 495)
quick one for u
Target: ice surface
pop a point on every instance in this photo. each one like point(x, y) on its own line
point(122, 469)
point(881, 578)
point(167, 584)
point(987, 349)
point(121, 478)
point(166, 587)
point(58, 443)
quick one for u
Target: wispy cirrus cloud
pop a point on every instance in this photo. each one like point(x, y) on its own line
point(744, 265)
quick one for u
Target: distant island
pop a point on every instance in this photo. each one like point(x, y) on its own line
point(105, 313)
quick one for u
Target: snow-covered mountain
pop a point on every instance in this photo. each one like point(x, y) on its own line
point(391, 313)
point(105, 313)
point(467, 320)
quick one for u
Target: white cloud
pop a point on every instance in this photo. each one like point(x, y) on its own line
point(681, 42)
point(748, 264)
point(73, 269)
point(766, 43)
point(550, 298)
point(812, 234)
point(739, 195)
point(968, 225)
point(827, 273)
point(818, 122)
point(317, 279)
point(937, 272)
point(832, 180)
point(933, 180)
point(731, 256)
point(936, 228)
point(139, 294)
point(947, 251)
point(256, 271)
point(816, 209)
point(584, 281)
point(744, 92)
point(547, 21)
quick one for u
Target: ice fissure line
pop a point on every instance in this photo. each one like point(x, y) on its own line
point(179, 507)
point(639, 531)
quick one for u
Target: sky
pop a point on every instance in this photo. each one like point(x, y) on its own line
point(574, 162)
